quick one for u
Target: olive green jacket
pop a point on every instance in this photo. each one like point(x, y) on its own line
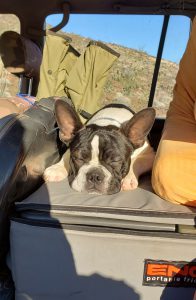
point(64, 72)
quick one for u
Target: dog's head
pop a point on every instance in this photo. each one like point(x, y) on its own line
point(100, 156)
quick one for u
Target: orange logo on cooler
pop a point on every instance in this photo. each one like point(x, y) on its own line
point(170, 270)
point(170, 273)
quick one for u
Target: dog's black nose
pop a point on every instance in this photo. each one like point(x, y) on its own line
point(95, 176)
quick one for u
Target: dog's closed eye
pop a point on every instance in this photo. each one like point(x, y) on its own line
point(77, 158)
point(116, 161)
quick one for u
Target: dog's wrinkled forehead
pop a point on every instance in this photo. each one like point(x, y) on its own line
point(101, 141)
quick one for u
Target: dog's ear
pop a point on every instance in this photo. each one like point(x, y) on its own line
point(67, 119)
point(137, 128)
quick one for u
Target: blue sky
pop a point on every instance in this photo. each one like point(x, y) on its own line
point(138, 32)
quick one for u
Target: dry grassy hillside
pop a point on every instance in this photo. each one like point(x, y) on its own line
point(129, 79)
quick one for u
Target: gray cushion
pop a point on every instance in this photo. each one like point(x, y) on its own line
point(140, 204)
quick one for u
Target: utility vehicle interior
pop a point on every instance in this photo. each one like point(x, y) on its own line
point(59, 244)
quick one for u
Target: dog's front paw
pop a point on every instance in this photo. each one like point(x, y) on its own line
point(55, 173)
point(129, 183)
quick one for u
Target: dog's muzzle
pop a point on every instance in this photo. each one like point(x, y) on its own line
point(95, 180)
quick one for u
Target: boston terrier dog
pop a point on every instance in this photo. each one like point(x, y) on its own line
point(108, 153)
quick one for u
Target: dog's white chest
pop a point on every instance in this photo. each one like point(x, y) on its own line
point(111, 116)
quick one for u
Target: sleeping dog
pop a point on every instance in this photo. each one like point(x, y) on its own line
point(108, 153)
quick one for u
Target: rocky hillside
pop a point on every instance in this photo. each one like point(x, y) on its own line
point(129, 78)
